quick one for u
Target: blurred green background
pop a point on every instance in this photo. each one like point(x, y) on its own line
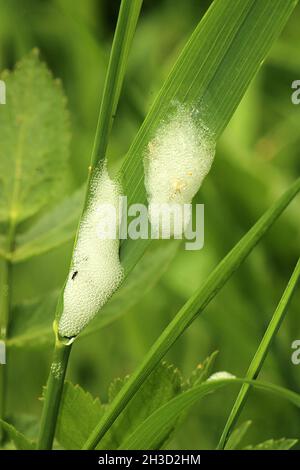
point(256, 160)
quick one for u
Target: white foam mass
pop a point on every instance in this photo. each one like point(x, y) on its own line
point(176, 161)
point(221, 375)
point(96, 271)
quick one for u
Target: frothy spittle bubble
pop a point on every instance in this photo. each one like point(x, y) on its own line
point(96, 271)
point(221, 375)
point(176, 162)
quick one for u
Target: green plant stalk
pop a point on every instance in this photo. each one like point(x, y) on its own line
point(261, 353)
point(126, 24)
point(189, 312)
point(53, 395)
point(5, 313)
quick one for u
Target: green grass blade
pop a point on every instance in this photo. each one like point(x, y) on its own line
point(148, 434)
point(211, 74)
point(128, 17)
point(191, 310)
point(261, 353)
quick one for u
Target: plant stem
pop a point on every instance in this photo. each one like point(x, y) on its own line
point(5, 314)
point(126, 24)
point(261, 353)
point(53, 394)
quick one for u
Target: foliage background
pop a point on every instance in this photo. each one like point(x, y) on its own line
point(256, 160)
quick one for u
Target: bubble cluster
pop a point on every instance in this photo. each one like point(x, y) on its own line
point(56, 369)
point(176, 161)
point(96, 271)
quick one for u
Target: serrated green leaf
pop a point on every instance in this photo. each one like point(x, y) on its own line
point(202, 371)
point(78, 414)
point(80, 411)
point(52, 230)
point(162, 385)
point(31, 324)
point(34, 141)
point(20, 440)
point(237, 436)
point(115, 387)
point(274, 444)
